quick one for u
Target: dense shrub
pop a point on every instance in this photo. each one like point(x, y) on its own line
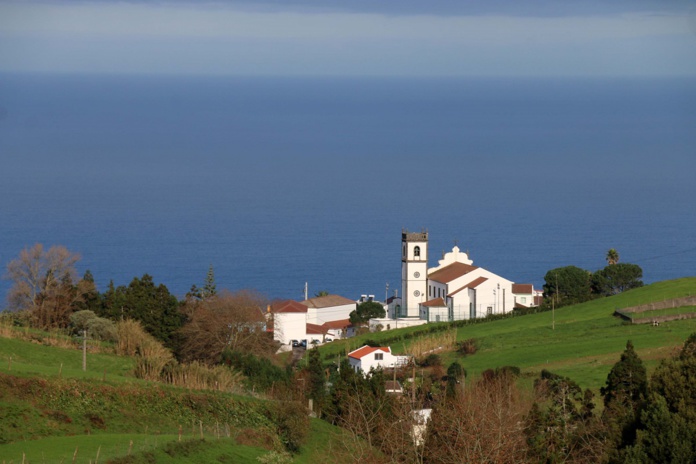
point(261, 374)
point(432, 360)
point(467, 347)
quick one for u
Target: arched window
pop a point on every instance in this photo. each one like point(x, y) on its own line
point(416, 252)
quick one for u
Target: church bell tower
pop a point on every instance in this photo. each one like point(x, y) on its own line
point(414, 271)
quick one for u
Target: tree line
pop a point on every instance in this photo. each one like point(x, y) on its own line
point(491, 419)
point(46, 293)
point(570, 285)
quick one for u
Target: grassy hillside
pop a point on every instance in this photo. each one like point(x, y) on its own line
point(586, 341)
point(50, 407)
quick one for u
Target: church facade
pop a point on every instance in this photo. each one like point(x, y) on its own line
point(453, 290)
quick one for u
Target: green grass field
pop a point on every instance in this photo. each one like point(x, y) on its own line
point(49, 407)
point(582, 342)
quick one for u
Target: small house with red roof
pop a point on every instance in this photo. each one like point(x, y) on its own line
point(375, 357)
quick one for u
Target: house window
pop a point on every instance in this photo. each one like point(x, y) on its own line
point(379, 356)
point(416, 252)
point(524, 299)
point(489, 310)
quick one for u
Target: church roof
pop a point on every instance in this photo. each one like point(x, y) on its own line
point(327, 301)
point(473, 284)
point(453, 271)
point(288, 306)
point(437, 302)
point(523, 288)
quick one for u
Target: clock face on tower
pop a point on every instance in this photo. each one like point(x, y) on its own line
point(416, 293)
point(416, 274)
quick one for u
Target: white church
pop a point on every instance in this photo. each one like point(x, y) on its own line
point(453, 290)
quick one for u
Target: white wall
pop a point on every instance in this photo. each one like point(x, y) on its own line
point(332, 313)
point(368, 362)
point(289, 326)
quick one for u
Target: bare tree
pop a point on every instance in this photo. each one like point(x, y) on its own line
point(227, 320)
point(484, 424)
point(43, 284)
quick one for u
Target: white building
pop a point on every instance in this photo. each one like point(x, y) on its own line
point(289, 321)
point(373, 357)
point(455, 289)
point(315, 318)
point(328, 308)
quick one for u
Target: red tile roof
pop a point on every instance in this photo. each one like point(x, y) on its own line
point(288, 306)
point(473, 284)
point(523, 288)
point(451, 272)
point(365, 350)
point(327, 301)
point(435, 302)
point(314, 329)
point(342, 324)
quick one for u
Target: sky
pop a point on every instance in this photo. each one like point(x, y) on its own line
point(351, 37)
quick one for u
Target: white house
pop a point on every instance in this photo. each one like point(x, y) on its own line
point(455, 289)
point(315, 318)
point(289, 321)
point(373, 357)
point(525, 295)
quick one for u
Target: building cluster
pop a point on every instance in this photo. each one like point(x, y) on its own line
point(453, 290)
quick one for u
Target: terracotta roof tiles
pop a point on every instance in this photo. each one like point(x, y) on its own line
point(451, 272)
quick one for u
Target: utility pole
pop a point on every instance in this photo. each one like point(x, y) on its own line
point(306, 290)
point(84, 350)
point(553, 306)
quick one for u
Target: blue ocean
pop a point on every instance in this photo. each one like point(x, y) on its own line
point(280, 181)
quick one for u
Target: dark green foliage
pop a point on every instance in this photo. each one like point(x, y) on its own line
point(89, 295)
point(260, 373)
point(624, 397)
point(143, 301)
point(455, 371)
point(209, 289)
point(627, 381)
point(617, 278)
point(567, 285)
point(366, 311)
point(317, 381)
point(292, 423)
point(432, 360)
point(667, 431)
point(564, 430)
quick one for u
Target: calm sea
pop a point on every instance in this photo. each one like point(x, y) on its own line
point(277, 182)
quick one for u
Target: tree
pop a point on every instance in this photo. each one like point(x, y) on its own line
point(366, 311)
point(152, 305)
point(617, 278)
point(321, 293)
point(485, 424)
point(668, 424)
point(624, 397)
point(43, 284)
point(316, 381)
point(612, 256)
point(234, 321)
point(567, 285)
point(209, 288)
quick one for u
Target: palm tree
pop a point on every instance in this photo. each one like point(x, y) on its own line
point(612, 256)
